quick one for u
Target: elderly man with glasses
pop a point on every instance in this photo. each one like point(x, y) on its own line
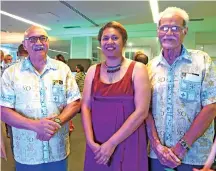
point(39, 97)
point(180, 123)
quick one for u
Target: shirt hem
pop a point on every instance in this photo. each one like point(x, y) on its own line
point(184, 162)
point(36, 163)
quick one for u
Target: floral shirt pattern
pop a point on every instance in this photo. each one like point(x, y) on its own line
point(179, 92)
point(36, 96)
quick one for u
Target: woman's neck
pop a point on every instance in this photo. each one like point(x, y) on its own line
point(111, 61)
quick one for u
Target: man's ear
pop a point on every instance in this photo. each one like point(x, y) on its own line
point(23, 42)
point(185, 31)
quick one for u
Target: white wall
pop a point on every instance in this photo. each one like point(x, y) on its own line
point(145, 49)
point(210, 49)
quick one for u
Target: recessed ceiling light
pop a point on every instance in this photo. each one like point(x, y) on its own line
point(57, 51)
point(154, 10)
point(23, 19)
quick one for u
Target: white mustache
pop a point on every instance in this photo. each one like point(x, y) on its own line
point(38, 47)
point(169, 38)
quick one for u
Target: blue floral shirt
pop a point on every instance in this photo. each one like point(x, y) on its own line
point(179, 92)
point(36, 96)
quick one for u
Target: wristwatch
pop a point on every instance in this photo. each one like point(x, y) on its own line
point(184, 144)
point(57, 120)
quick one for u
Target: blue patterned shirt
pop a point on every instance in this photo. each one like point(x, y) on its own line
point(36, 96)
point(179, 92)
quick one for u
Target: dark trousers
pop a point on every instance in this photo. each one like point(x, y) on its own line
point(54, 166)
point(155, 165)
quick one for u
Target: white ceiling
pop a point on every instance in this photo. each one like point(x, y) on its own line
point(56, 15)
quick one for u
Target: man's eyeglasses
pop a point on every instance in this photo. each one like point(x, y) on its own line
point(34, 39)
point(174, 29)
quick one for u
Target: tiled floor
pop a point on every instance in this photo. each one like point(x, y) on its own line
point(76, 157)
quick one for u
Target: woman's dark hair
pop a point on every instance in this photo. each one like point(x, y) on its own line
point(60, 57)
point(141, 57)
point(80, 67)
point(117, 26)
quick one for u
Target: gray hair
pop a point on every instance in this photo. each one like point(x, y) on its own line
point(178, 11)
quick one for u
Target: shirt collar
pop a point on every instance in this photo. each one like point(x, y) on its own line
point(184, 55)
point(27, 65)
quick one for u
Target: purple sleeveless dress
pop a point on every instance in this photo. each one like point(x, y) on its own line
point(112, 104)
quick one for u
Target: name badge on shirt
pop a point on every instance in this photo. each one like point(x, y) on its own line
point(57, 82)
point(192, 77)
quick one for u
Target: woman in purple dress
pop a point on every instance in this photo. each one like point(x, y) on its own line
point(115, 104)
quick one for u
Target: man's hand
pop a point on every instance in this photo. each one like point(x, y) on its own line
point(45, 128)
point(104, 154)
point(179, 151)
point(166, 156)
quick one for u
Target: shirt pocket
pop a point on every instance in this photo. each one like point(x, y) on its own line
point(190, 90)
point(58, 94)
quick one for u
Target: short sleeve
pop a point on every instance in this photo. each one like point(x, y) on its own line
point(72, 90)
point(8, 97)
point(208, 91)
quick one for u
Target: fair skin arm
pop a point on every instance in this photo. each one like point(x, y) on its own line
point(141, 100)
point(86, 110)
point(43, 127)
point(164, 154)
point(197, 129)
point(71, 109)
point(68, 113)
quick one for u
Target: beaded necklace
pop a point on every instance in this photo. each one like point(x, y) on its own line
point(111, 70)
